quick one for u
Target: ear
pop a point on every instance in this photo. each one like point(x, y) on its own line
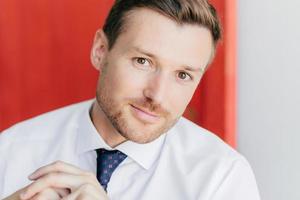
point(99, 50)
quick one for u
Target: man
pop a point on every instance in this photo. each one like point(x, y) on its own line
point(131, 142)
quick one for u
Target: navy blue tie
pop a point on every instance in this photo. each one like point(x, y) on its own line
point(107, 162)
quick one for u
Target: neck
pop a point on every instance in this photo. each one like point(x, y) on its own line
point(104, 127)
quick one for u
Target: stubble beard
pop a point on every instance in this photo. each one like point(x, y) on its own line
point(117, 118)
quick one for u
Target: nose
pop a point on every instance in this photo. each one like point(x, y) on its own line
point(156, 88)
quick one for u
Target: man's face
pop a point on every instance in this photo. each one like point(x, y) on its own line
point(149, 76)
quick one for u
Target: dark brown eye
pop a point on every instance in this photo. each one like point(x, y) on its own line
point(182, 75)
point(141, 61)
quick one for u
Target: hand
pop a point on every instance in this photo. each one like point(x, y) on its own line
point(47, 194)
point(81, 184)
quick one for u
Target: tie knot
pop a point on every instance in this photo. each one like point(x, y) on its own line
point(107, 162)
point(110, 154)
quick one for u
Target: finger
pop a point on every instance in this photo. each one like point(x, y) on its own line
point(87, 191)
point(57, 166)
point(62, 191)
point(58, 180)
point(72, 196)
point(52, 180)
point(47, 195)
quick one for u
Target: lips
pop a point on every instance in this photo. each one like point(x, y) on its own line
point(144, 115)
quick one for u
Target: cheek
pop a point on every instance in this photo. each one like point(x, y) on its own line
point(179, 98)
point(122, 81)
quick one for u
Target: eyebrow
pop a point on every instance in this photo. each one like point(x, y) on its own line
point(144, 52)
point(187, 68)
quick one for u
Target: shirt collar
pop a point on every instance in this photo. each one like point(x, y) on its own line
point(88, 139)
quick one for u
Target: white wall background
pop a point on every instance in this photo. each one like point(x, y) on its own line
point(269, 94)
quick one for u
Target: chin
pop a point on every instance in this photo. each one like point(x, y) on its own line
point(141, 138)
point(142, 133)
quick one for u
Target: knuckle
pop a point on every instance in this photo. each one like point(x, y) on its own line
point(26, 190)
point(90, 174)
point(90, 178)
point(51, 177)
point(82, 197)
point(39, 197)
point(58, 164)
point(85, 187)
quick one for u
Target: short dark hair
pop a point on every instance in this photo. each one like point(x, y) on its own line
point(199, 12)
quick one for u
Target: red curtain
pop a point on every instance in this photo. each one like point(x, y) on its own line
point(44, 62)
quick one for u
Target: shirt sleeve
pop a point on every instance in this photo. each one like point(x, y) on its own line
point(239, 183)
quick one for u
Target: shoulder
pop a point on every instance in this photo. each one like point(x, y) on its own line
point(44, 126)
point(204, 162)
point(192, 142)
point(191, 137)
point(201, 157)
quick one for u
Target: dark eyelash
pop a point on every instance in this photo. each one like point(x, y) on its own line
point(146, 59)
point(191, 77)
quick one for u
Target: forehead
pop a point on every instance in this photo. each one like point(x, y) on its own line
point(165, 38)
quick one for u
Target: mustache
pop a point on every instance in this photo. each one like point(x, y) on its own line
point(149, 105)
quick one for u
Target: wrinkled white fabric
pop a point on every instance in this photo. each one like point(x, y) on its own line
point(186, 163)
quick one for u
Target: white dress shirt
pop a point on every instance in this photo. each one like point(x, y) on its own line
point(186, 163)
